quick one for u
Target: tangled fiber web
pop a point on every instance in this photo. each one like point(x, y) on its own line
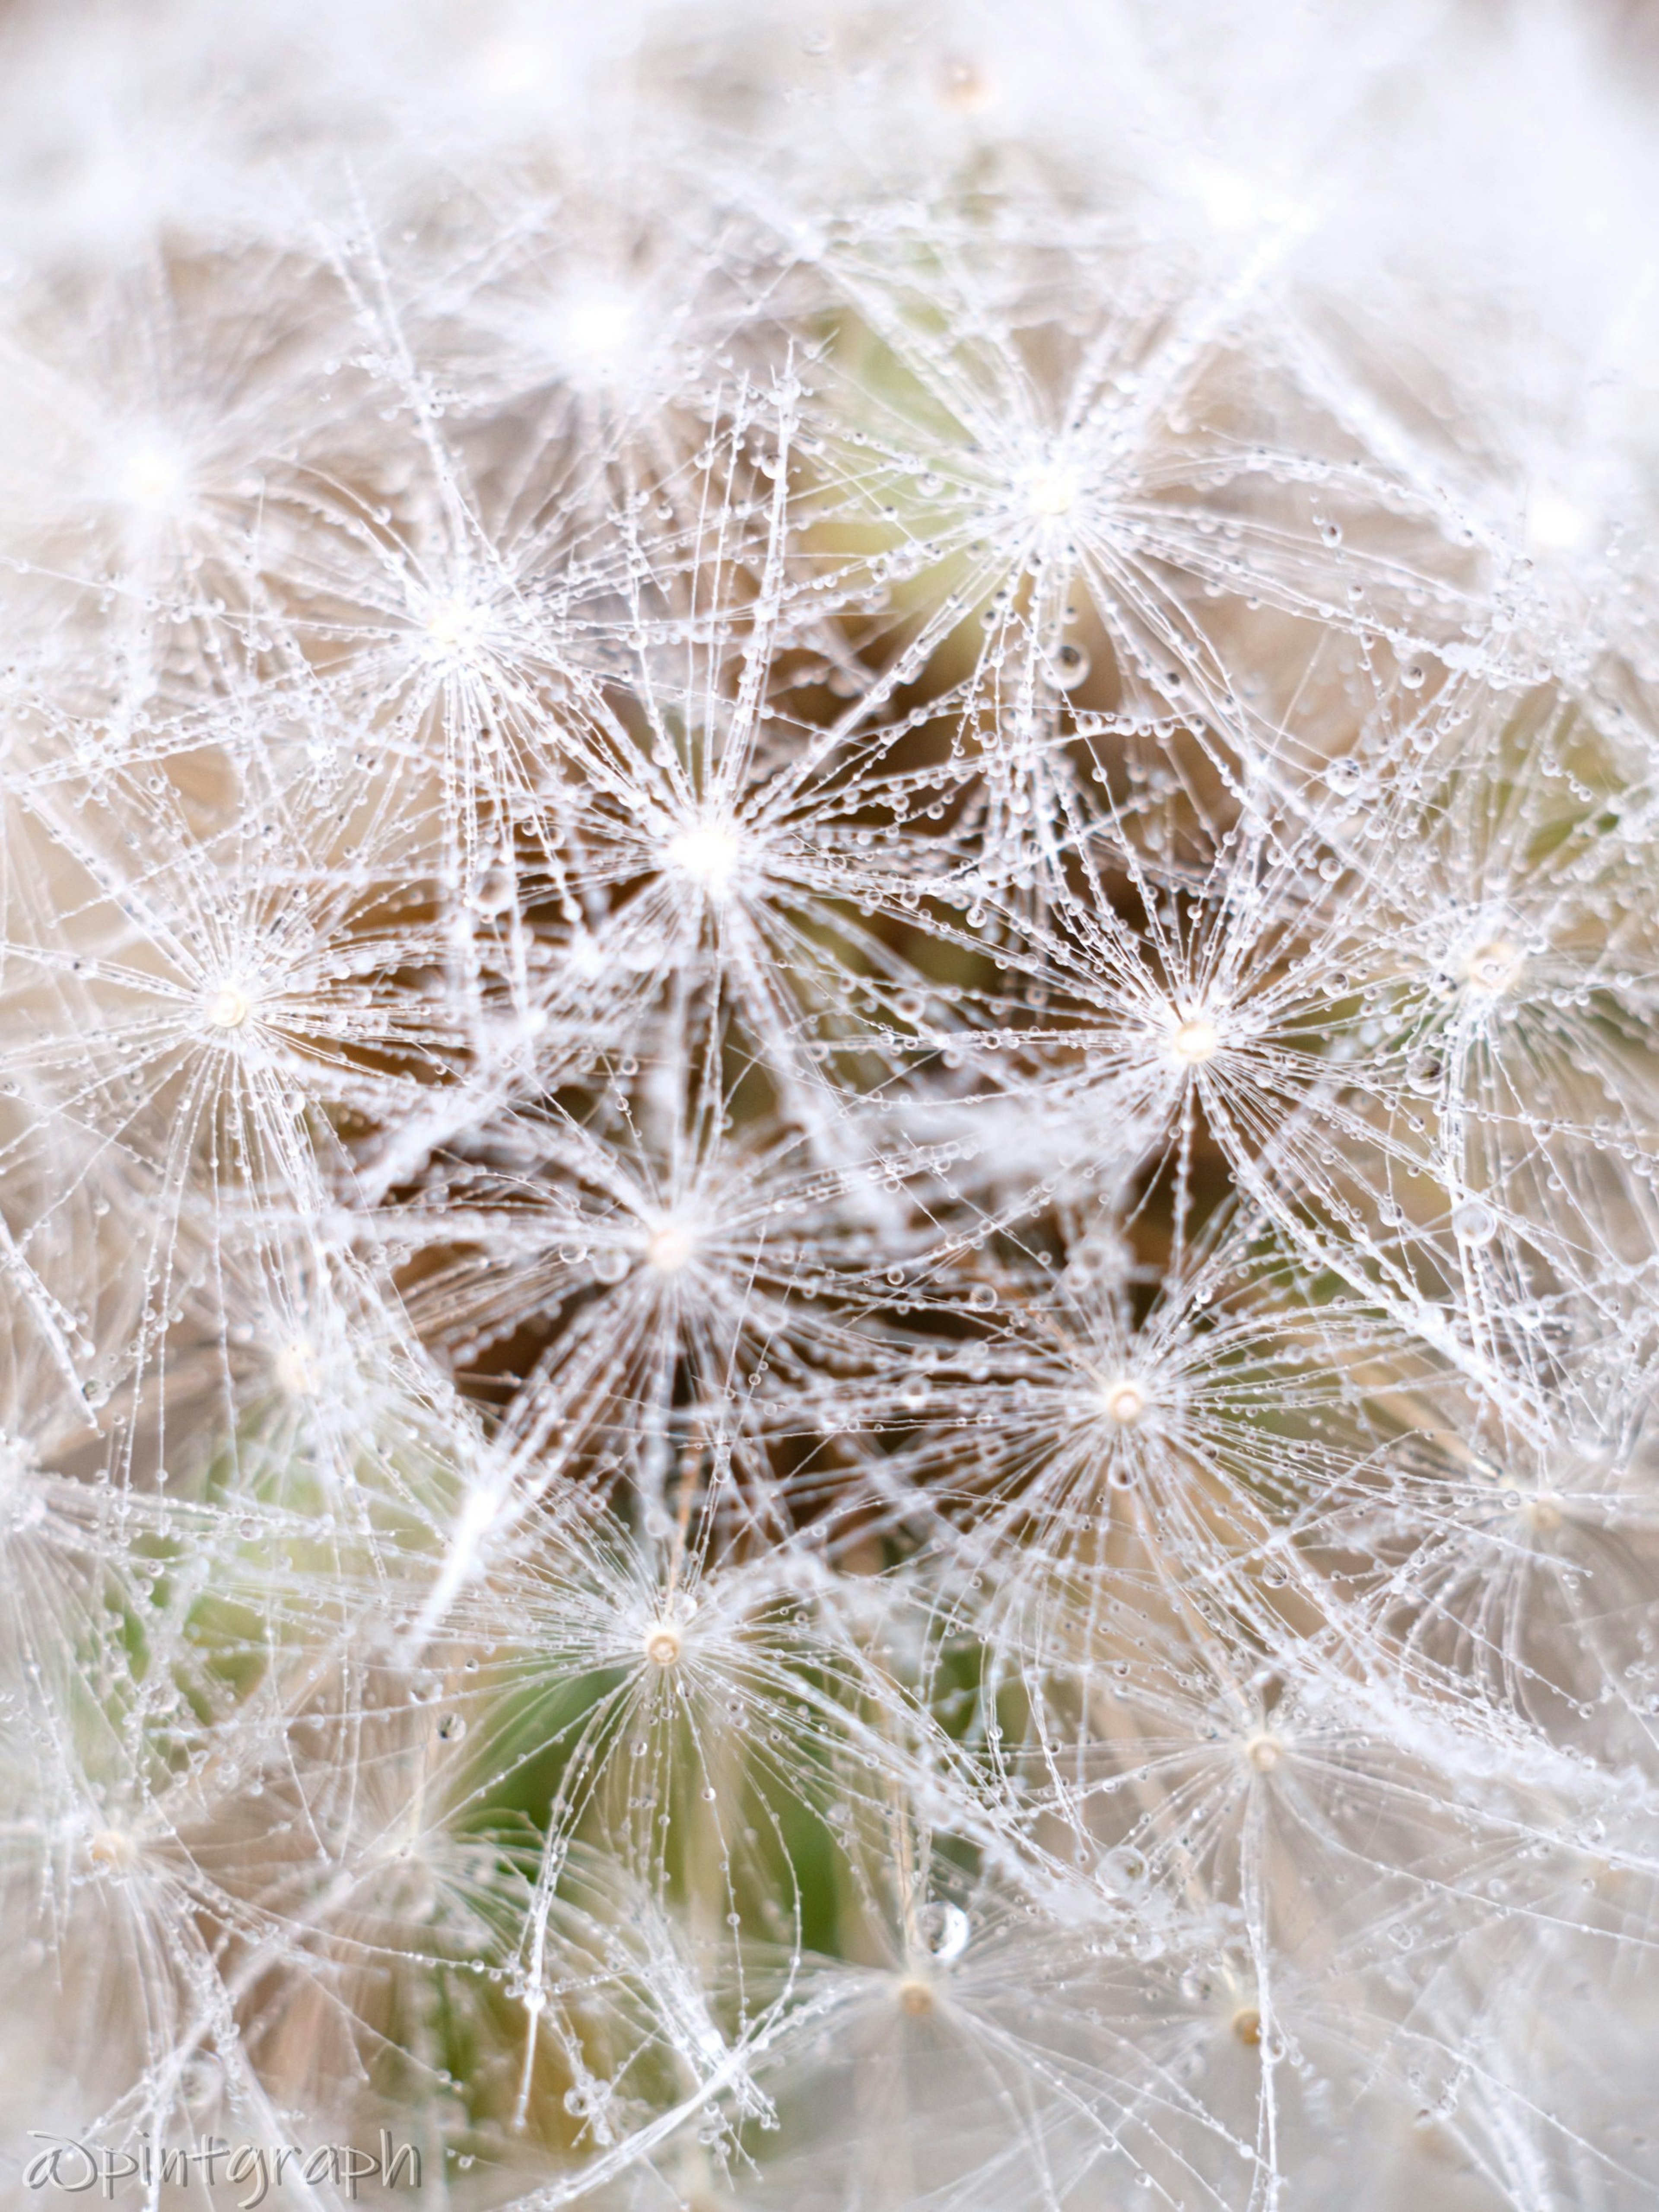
point(827, 1104)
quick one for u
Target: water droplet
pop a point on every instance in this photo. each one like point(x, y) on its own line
point(1424, 1072)
point(944, 1930)
point(1124, 1869)
point(1068, 667)
point(1473, 1222)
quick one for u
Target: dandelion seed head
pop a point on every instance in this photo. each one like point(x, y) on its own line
point(594, 331)
point(1493, 966)
point(710, 853)
point(1556, 521)
point(1195, 1040)
point(672, 1245)
point(1053, 491)
point(229, 1005)
point(767, 855)
point(294, 1369)
point(965, 86)
point(510, 66)
point(1263, 1751)
point(585, 957)
point(113, 1850)
point(454, 629)
point(152, 478)
point(1125, 1402)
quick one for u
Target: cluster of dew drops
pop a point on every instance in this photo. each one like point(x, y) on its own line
point(827, 1209)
